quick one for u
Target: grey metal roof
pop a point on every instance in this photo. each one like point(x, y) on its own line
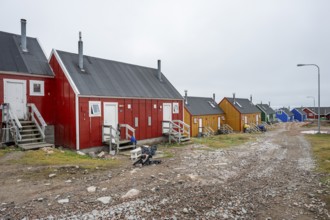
point(244, 106)
point(265, 108)
point(202, 106)
point(300, 110)
point(13, 59)
point(287, 111)
point(116, 79)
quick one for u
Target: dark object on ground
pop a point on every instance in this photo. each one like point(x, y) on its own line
point(146, 155)
point(262, 128)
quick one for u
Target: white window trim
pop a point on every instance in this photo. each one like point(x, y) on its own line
point(91, 103)
point(42, 88)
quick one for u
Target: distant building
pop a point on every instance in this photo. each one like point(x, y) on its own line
point(299, 114)
point(284, 115)
point(267, 113)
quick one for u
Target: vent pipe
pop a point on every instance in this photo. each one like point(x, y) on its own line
point(80, 53)
point(214, 97)
point(269, 104)
point(185, 97)
point(23, 35)
point(234, 97)
point(251, 99)
point(159, 70)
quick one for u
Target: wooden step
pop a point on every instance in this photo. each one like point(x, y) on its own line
point(26, 122)
point(30, 135)
point(30, 140)
point(33, 146)
point(28, 127)
point(29, 130)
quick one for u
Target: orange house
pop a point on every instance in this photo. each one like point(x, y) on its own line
point(203, 115)
point(240, 111)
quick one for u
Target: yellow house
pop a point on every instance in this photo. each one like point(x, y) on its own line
point(240, 111)
point(203, 115)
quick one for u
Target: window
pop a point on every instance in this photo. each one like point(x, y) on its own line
point(94, 108)
point(37, 88)
point(175, 108)
point(211, 104)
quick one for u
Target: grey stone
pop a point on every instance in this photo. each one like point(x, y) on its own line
point(105, 199)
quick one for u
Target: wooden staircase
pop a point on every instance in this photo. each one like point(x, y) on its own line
point(31, 137)
point(254, 128)
point(117, 141)
point(27, 134)
point(226, 129)
point(176, 130)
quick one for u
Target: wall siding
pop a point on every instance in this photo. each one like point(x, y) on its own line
point(43, 103)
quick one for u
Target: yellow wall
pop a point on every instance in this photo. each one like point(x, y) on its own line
point(234, 118)
point(207, 120)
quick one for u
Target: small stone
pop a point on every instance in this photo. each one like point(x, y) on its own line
point(244, 211)
point(40, 199)
point(105, 199)
point(101, 154)
point(19, 180)
point(104, 189)
point(91, 189)
point(51, 175)
point(185, 210)
point(131, 193)
point(62, 201)
point(81, 153)
point(47, 184)
point(68, 181)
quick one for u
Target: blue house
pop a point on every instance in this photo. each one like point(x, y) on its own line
point(299, 114)
point(284, 115)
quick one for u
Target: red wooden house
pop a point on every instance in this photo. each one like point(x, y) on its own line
point(26, 82)
point(92, 92)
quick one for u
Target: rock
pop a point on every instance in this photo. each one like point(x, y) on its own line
point(131, 193)
point(244, 211)
point(185, 210)
point(105, 199)
point(91, 189)
point(51, 175)
point(68, 181)
point(81, 153)
point(40, 199)
point(101, 154)
point(19, 180)
point(62, 201)
point(92, 154)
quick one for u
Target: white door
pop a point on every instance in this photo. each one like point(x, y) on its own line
point(15, 95)
point(110, 116)
point(167, 115)
point(245, 120)
point(219, 122)
point(257, 119)
point(200, 125)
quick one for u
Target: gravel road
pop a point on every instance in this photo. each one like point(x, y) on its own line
point(270, 178)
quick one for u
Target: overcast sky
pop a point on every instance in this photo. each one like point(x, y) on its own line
point(242, 46)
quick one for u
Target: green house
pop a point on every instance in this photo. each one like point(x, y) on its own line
point(267, 113)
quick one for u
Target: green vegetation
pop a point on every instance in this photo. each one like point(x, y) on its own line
point(56, 157)
point(6, 150)
point(224, 141)
point(321, 149)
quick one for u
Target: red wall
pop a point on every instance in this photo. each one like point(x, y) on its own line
point(91, 127)
point(64, 108)
point(310, 114)
point(43, 103)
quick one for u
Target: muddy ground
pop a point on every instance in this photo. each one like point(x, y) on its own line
point(270, 178)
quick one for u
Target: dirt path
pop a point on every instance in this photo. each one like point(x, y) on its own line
point(271, 178)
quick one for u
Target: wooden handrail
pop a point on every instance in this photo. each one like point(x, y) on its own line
point(40, 123)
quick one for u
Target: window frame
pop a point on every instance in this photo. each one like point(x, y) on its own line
point(42, 88)
point(90, 105)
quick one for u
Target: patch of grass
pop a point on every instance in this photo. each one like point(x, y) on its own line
point(224, 141)
point(321, 149)
point(7, 150)
point(62, 158)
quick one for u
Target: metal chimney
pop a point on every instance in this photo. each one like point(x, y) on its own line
point(269, 104)
point(185, 97)
point(159, 70)
point(80, 53)
point(251, 99)
point(214, 97)
point(234, 98)
point(23, 35)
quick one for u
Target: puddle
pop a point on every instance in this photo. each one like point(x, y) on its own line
point(314, 132)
